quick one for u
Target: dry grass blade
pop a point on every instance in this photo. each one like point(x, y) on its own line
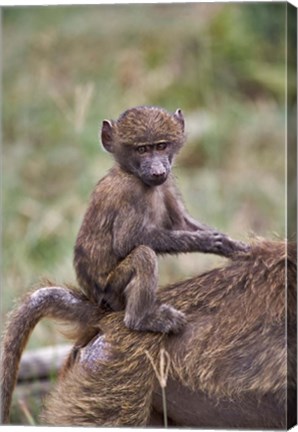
point(162, 376)
point(83, 95)
point(77, 114)
point(26, 412)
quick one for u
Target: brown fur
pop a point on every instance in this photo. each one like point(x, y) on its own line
point(233, 350)
point(135, 212)
point(60, 303)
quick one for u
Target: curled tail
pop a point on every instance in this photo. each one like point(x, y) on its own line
point(55, 302)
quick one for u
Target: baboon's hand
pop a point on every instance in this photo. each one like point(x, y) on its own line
point(241, 246)
point(114, 297)
point(236, 246)
point(221, 244)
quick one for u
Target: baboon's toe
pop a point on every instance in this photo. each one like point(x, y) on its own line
point(172, 319)
point(163, 319)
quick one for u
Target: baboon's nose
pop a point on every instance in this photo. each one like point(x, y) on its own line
point(158, 170)
point(160, 173)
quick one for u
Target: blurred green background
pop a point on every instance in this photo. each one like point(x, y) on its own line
point(65, 69)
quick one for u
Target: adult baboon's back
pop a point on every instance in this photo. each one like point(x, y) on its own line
point(231, 367)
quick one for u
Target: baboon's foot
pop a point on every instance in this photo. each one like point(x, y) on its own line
point(162, 319)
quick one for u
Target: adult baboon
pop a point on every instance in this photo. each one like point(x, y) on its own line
point(234, 365)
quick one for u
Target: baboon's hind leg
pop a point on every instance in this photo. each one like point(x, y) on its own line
point(143, 311)
point(132, 285)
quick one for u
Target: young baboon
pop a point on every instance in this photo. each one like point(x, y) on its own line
point(233, 366)
point(135, 213)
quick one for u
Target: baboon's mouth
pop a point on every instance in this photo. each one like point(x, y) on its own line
point(155, 180)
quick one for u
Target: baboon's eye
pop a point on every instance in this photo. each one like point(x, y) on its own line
point(141, 149)
point(161, 146)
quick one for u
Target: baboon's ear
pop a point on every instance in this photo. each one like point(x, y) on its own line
point(179, 117)
point(107, 137)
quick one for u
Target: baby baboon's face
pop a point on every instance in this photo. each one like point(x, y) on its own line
point(144, 141)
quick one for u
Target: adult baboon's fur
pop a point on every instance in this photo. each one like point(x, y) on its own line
point(233, 366)
point(55, 302)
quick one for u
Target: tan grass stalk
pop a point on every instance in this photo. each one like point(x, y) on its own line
point(162, 376)
point(28, 415)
